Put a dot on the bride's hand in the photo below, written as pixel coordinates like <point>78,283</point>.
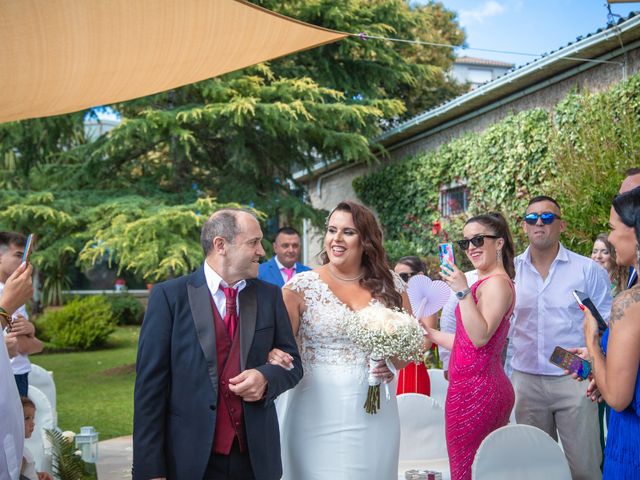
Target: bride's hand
<point>382,372</point>
<point>280,358</point>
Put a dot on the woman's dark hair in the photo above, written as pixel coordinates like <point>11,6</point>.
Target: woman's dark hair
<point>377,276</point>
<point>617,273</point>
<point>498,224</point>
<point>627,206</point>
<point>414,263</point>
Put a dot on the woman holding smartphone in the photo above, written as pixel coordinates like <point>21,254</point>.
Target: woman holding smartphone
<point>480,396</point>
<point>616,357</point>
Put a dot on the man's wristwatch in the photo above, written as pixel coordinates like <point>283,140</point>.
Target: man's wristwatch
<point>463,293</point>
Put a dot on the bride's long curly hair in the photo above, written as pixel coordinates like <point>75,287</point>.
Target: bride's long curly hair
<point>377,277</point>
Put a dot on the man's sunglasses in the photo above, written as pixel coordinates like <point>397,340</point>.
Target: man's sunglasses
<point>546,217</point>
<point>476,241</point>
<point>405,276</point>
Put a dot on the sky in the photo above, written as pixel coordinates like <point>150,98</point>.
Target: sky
<point>530,26</point>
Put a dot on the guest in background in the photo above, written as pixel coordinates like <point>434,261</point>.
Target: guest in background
<point>285,262</point>
<point>604,254</point>
<point>616,370</point>
<point>414,378</point>
<point>545,316</point>
<point>448,321</point>
<point>480,396</point>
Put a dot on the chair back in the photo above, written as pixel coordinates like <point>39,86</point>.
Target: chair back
<point>439,385</point>
<point>38,444</point>
<point>519,451</point>
<point>43,380</point>
<point>422,434</point>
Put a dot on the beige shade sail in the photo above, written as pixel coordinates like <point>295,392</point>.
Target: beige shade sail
<point>61,56</point>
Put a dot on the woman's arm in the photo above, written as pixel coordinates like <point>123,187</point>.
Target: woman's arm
<point>481,320</point>
<point>616,375</point>
<point>443,339</point>
<point>294,302</point>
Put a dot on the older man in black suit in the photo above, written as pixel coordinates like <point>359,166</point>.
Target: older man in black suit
<point>204,393</point>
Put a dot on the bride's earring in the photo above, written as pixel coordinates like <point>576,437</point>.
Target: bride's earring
<point>499,256</point>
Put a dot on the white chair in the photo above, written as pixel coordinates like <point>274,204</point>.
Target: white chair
<point>519,451</point>
<point>43,380</point>
<point>38,444</point>
<point>439,385</point>
<point>422,434</point>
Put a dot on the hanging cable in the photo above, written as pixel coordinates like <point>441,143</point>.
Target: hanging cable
<point>364,36</point>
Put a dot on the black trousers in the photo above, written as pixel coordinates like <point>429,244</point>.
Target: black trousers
<point>235,466</point>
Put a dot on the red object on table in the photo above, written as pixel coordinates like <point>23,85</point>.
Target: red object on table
<point>414,378</point>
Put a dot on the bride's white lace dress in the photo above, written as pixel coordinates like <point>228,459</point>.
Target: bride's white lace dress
<point>325,432</point>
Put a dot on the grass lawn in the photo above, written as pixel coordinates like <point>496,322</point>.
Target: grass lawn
<point>96,387</point>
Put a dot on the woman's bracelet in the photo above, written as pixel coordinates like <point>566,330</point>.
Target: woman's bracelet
<point>5,314</point>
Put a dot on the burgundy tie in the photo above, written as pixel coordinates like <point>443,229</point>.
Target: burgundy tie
<point>289,272</point>
<point>231,314</point>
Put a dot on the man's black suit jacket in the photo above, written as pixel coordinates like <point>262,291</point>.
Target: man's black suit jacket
<point>176,389</point>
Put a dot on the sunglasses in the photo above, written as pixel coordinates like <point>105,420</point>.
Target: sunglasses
<point>405,276</point>
<point>546,217</point>
<point>476,241</point>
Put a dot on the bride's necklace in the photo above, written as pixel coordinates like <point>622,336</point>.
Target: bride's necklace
<point>343,279</point>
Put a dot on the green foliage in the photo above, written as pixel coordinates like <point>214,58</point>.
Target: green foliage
<point>66,464</point>
<point>81,324</point>
<point>126,309</point>
<point>596,142</point>
<point>501,167</point>
<point>578,156</point>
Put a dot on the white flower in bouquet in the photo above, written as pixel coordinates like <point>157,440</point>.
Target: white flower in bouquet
<point>385,333</point>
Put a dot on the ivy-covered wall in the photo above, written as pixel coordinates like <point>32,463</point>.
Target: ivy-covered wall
<point>526,154</point>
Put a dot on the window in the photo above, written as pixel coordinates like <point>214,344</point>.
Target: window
<point>453,199</point>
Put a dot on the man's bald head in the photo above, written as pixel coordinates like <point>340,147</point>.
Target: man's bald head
<point>631,181</point>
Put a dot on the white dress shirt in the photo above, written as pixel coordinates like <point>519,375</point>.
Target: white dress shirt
<point>213,283</point>
<point>448,318</point>
<point>546,313</point>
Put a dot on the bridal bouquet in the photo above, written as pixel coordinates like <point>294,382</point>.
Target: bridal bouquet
<point>386,333</point>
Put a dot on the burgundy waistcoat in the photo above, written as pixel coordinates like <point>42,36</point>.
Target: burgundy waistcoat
<point>229,419</point>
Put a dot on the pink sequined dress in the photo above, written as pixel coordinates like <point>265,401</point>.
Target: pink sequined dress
<point>480,396</point>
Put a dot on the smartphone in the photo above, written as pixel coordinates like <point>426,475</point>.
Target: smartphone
<point>583,299</point>
<point>569,361</point>
<point>445,250</point>
<point>27,248</point>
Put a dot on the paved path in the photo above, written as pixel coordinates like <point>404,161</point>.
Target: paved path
<point>114,458</point>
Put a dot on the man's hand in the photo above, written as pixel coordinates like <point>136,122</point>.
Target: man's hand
<point>22,326</point>
<point>583,353</point>
<point>280,358</point>
<point>17,289</point>
<point>250,385</point>
<point>11,341</point>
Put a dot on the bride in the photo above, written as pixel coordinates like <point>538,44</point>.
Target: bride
<point>326,433</point>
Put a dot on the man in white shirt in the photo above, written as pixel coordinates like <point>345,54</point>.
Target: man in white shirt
<point>18,290</point>
<point>546,315</point>
<point>12,246</point>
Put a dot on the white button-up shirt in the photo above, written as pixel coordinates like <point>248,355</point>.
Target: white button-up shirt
<point>213,283</point>
<point>546,313</point>
<point>281,266</point>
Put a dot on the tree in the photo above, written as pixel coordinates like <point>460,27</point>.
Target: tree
<point>236,138</point>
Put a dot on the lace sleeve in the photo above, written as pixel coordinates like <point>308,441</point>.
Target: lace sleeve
<point>398,283</point>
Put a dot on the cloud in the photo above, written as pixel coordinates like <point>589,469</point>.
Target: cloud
<point>490,8</point>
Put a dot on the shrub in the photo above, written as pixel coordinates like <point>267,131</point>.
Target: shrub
<point>82,323</point>
<point>126,309</point>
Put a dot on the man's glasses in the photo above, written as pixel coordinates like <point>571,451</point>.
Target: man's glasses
<point>476,241</point>
<point>546,217</point>
<point>405,276</point>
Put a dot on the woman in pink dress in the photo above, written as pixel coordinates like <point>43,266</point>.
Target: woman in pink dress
<point>480,396</point>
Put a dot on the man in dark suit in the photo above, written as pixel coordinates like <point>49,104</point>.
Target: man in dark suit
<point>204,392</point>
<point>284,264</point>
